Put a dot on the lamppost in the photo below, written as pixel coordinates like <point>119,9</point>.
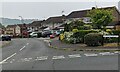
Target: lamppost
<point>22,21</point>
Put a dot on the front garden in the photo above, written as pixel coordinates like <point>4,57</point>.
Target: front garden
<point>91,34</point>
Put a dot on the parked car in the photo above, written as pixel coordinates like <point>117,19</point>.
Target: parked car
<point>52,36</point>
<point>55,32</point>
<point>33,34</point>
<point>5,38</point>
<point>39,34</point>
<point>46,33</point>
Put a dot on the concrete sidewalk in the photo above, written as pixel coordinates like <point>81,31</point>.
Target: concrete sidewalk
<point>55,43</point>
<point>4,43</point>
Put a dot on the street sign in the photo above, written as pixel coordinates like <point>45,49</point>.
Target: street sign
<point>116,36</point>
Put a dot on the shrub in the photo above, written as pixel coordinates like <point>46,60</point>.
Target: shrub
<point>109,31</point>
<point>75,30</point>
<point>68,34</point>
<point>61,37</point>
<point>93,39</point>
<point>116,32</point>
<point>104,33</point>
<point>87,27</point>
<point>81,33</point>
<point>81,28</point>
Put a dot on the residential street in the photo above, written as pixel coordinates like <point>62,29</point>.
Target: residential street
<point>34,54</point>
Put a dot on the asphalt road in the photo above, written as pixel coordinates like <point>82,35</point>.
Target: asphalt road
<point>34,54</point>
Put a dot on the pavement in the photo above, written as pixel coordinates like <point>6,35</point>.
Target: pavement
<point>57,44</point>
<point>35,54</point>
<point>4,43</point>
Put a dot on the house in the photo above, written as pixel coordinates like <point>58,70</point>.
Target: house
<point>10,30</point>
<point>54,21</point>
<point>35,26</point>
<point>82,14</point>
<point>16,30</point>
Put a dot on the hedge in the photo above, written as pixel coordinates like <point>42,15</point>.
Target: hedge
<point>82,33</point>
<point>93,39</point>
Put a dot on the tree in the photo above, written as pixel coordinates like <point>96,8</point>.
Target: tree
<point>74,25</point>
<point>100,17</point>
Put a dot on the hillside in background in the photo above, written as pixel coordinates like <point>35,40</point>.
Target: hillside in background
<point>8,21</point>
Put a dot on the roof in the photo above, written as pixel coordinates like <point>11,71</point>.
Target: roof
<point>77,14</point>
<point>35,23</point>
<point>83,13</point>
<point>43,27</point>
<point>11,26</point>
<point>21,25</point>
<point>57,19</point>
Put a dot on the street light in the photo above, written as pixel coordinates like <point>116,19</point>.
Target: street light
<point>21,19</point>
<point>22,24</point>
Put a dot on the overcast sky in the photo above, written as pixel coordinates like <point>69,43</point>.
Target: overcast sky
<point>43,10</point>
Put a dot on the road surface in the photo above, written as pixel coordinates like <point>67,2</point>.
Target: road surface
<point>34,54</point>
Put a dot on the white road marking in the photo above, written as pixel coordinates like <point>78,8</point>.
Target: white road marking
<point>22,48</point>
<point>58,57</point>
<point>27,44</point>
<point>26,59</point>
<point>7,58</point>
<point>4,62</point>
<point>91,55</point>
<point>106,53</point>
<point>42,58</point>
<point>74,55</point>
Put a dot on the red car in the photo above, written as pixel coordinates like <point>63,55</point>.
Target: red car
<point>52,36</point>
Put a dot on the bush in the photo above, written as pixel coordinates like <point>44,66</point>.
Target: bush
<point>116,32</point>
<point>109,31</point>
<point>61,37</point>
<point>75,30</point>
<point>81,33</point>
<point>93,39</point>
<point>87,27</point>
